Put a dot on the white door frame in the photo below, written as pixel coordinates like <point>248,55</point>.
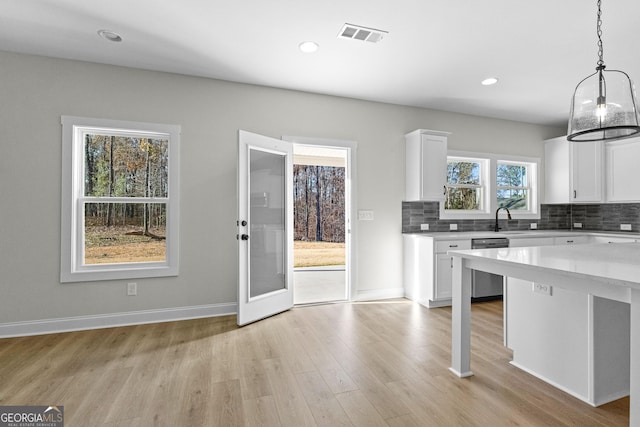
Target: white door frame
<point>350,200</point>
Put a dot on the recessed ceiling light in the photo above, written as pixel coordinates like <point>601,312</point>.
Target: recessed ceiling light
<point>308,47</point>
<point>489,81</point>
<point>110,35</point>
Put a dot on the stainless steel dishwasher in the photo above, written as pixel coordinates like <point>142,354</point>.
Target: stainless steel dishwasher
<point>487,285</point>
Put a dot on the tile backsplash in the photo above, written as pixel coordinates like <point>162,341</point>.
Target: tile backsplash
<point>594,217</point>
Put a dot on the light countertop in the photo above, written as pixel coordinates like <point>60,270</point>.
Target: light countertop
<point>463,235</point>
<point>619,262</point>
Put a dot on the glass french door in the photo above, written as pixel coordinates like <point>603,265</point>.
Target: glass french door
<point>265,226</point>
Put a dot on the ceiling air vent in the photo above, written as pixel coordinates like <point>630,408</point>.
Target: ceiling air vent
<point>356,32</point>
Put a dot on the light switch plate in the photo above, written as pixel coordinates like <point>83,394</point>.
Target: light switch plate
<point>453,227</point>
<point>424,227</point>
<point>533,226</point>
<point>625,227</point>
<point>577,225</point>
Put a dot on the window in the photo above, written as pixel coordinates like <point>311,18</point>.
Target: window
<point>512,186</point>
<point>465,184</point>
<point>478,184</point>
<point>120,199</point>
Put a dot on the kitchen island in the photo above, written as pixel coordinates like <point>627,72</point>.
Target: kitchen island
<point>610,271</point>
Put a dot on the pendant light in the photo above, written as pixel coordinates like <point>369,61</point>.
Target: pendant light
<point>604,104</point>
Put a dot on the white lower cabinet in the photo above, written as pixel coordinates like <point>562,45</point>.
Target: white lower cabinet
<point>574,341</point>
<point>427,269</point>
<point>427,266</point>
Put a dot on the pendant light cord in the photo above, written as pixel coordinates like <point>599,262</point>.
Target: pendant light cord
<point>599,26</point>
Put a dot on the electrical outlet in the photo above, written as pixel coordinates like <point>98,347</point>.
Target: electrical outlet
<point>453,227</point>
<point>365,215</point>
<point>577,225</point>
<point>424,227</point>
<point>539,288</point>
<point>533,226</point>
<point>132,289</point>
<point>625,227</point>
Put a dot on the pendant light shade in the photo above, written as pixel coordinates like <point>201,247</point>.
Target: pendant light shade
<point>604,107</point>
<point>604,104</point>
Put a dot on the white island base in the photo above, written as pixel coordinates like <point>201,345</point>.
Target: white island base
<point>607,271</point>
<point>577,342</point>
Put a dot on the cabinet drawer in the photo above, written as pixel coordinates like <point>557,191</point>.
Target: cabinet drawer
<point>449,245</point>
<point>572,240</point>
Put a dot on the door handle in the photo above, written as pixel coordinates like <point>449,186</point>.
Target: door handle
<point>244,237</point>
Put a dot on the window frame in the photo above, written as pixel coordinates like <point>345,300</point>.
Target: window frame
<point>73,200</point>
<point>490,196</point>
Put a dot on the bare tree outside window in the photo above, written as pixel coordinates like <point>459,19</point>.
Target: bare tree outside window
<point>125,167</point>
<point>319,213</point>
<point>463,189</point>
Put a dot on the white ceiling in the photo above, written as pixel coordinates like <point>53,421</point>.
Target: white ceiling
<point>435,55</point>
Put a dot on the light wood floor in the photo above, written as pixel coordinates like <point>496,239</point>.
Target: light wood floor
<point>364,364</point>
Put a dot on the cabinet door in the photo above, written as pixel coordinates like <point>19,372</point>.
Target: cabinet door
<point>426,165</point>
<point>434,166</point>
<point>622,161</point>
<point>530,241</point>
<point>557,176</point>
<point>443,276</point>
<point>586,165</point>
<point>606,239</point>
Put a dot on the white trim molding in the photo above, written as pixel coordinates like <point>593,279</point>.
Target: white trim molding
<point>378,294</point>
<point>100,321</point>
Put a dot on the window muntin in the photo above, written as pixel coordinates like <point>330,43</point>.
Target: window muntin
<point>121,197</point>
<point>465,185</point>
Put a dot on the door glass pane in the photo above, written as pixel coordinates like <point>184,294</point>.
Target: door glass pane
<point>267,184</point>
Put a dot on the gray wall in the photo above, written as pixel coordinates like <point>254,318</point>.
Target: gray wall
<point>36,91</point>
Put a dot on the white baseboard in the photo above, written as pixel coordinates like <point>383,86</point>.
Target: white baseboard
<point>79,323</point>
<point>376,294</point>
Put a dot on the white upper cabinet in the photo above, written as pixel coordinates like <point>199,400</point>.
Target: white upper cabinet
<point>557,174</point>
<point>426,165</point>
<point>587,163</point>
<point>573,171</point>
<point>622,159</point>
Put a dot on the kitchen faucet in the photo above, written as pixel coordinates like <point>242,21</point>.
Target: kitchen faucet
<point>496,229</point>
